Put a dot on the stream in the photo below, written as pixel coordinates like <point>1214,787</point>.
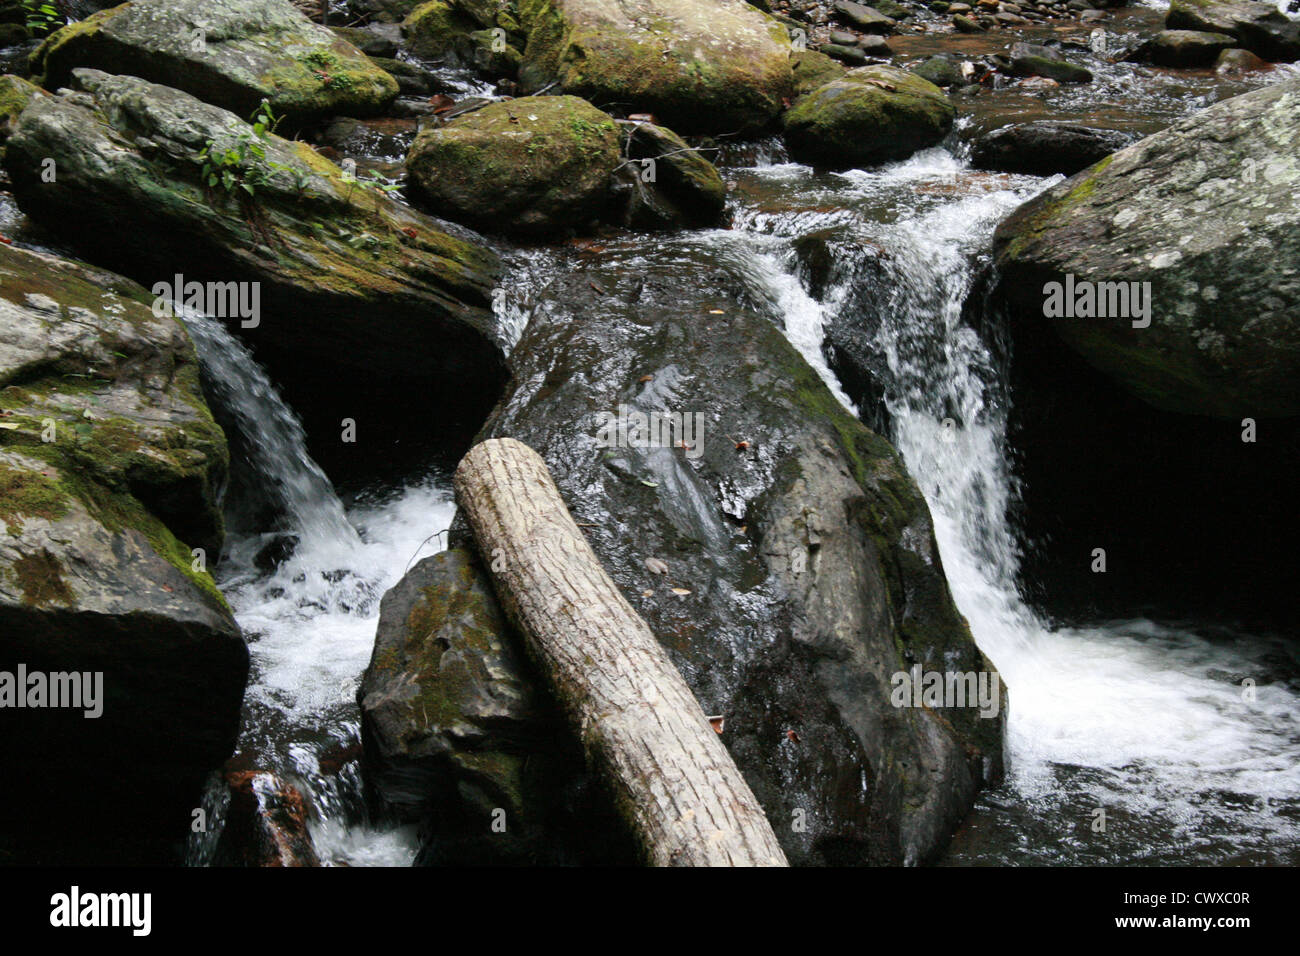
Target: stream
<point>1138,726</point>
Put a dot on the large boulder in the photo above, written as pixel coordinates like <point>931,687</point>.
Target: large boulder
<point>476,33</point>
<point>110,470</point>
<point>232,53</point>
<point>1259,27</point>
<point>456,725</point>
<point>535,165</point>
<point>777,548</point>
<point>665,183</point>
<point>870,115</point>
<point>1198,222</point>
<point>351,282</point>
<point>698,65</point>
<point>1183,48</point>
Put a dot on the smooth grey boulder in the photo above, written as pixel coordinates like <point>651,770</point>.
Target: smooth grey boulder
<point>1206,213</point>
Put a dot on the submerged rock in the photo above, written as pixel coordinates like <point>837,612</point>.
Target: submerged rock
<point>455,728</point>
<point>1046,147</point>
<point>349,281</point>
<point>110,471</point>
<point>266,823</point>
<point>776,547</point>
<point>231,53</point>
<point>871,115</point>
<point>1201,222</point>
<point>718,66</point>
<point>536,165</point>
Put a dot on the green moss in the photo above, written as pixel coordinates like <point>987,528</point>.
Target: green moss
<point>40,576</point>
<point>30,494</point>
<point>46,63</point>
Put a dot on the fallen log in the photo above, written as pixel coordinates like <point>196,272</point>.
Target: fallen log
<point>674,783</point>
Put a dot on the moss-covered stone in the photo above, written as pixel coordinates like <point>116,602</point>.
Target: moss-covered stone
<point>534,165</point>
<point>232,53</point>
<point>699,65</point>
<point>812,69</point>
<point>871,115</point>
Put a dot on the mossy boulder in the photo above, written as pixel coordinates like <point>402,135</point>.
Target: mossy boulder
<point>870,115</point>
<point>530,166</point>
<point>785,559</point>
<point>698,65</point>
<point>15,94</point>
<point>812,69</point>
<point>110,470</point>
<point>352,283</point>
<point>1183,48</point>
<point>1201,221</point>
<point>231,53</point>
<point>666,183</point>
<point>455,726</point>
<point>483,35</point>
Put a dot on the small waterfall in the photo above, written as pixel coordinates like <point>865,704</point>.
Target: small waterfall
<point>1141,720</point>
<point>306,593</point>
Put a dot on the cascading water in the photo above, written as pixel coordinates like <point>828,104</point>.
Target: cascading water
<point>1146,722</point>
<point>306,593</point>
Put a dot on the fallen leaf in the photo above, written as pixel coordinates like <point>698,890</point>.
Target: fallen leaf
<point>655,566</point>
<point>649,484</point>
<point>646,378</point>
<point>681,592</point>
<point>719,722</point>
<point>410,232</point>
<point>716,312</point>
<point>598,289</point>
<point>647,594</point>
<point>792,736</point>
<point>9,425</point>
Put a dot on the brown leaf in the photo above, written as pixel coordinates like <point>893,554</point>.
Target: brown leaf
<point>719,722</point>
<point>792,736</point>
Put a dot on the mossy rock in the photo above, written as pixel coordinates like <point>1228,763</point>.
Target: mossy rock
<point>666,183</point>
<point>871,115</point>
<point>698,65</point>
<point>231,53</point>
<point>532,166</point>
<point>812,69</point>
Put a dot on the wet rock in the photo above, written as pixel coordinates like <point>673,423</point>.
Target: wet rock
<point>866,19</point>
<point>110,471</point>
<point>700,66</point>
<point>851,55</point>
<point>475,35</point>
<point>1239,61</point>
<point>530,166</point>
<point>1046,147</point>
<point>812,70</point>
<point>351,282</point>
<point>1259,27</point>
<point>377,40</point>
<point>231,53</point>
<point>266,823</point>
<point>964,24</point>
<point>871,115</point>
<point>939,70</point>
<point>1183,48</point>
<point>455,727</point>
<point>1206,214</point>
<point>1028,59</point>
<point>801,569</point>
<point>666,183</point>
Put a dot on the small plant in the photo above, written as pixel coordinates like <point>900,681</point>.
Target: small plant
<point>42,17</point>
<point>243,165</point>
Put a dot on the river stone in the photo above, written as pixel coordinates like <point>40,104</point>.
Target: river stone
<point>477,35</point>
<point>1259,27</point>
<point>1183,48</point>
<point>251,50</point>
<point>1206,211</point>
<point>265,824</point>
<point>352,283</point>
<point>801,567</point>
<point>1028,59</point>
<point>700,66</point>
<point>866,19</point>
<point>812,69</point>
<point>665,183</point>
<point>851,55</point>
<point>871,115</point>
<point>110,470</point>
<point>1046,147</point>
<point>939,70</point>
<point>454,727</point>
<point>530,166</point>
<point>1239,61</point>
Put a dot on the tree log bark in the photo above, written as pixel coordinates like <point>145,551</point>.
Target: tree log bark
<point>641,727</point>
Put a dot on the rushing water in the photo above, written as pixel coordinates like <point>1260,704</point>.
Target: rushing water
<point>1142,720</point>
